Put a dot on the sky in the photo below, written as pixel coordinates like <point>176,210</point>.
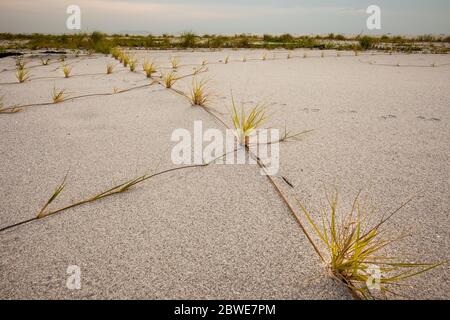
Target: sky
<point>406,17</point>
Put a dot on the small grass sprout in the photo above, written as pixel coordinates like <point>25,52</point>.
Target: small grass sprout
<point>109,68</point>
<point>174,62</point>
<point>22,75</point>
<point>58,95</point>
<point>354,250</point>
<point>67,70</point>
<point>245,123</point>
<point>199,95</point>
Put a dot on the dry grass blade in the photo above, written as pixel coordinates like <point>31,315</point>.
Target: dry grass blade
<point>59,95</point>
<point>67,70</point>
<point>55,195</point>
<point>355,251</point>
<point>244,124</point>
<point>22,75</point>
<point>227,60</point>
<point>199,95</point>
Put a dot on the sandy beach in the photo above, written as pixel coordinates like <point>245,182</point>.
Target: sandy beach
<point>381,124</point>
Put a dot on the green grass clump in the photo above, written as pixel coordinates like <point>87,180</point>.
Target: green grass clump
<point>59,95</point>
<point>22,75</point>
<point>133,63</point>
<point>244,124</point>
<point>115,53</point>
<point>149,68</point>
<point>169,79</point>
<point>125,59</point>
<point>353,250</point>
<point>199,95</point>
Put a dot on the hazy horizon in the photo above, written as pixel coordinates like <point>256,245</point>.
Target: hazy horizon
<point>227,17</point>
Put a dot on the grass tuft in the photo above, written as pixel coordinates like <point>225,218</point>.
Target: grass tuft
<point>109,68</point>
<point>125,59</point>
<point>354,251</point>
<point>169,79</point>
<point>244,124</point>
<point>67,70</point>
<point>133,63</point>
<point>22,75</point>
<point>149,68</point>
<point>174,62</point>
<point>59,95</point>
<point>199,95</point>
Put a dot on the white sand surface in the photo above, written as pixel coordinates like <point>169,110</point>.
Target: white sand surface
<point>220,232</point>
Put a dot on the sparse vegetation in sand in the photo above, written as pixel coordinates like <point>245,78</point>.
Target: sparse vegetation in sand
<point>199,95</point>
<point>246,123</point>
<point>109,68</point>
<point>133,63</point>
<point>149,68</point>
<point>175,62</point>
<point>169,79</point>
<point>22,75</point>
<point>67,70</point>
<point>353,249</point>
<point>59,95</point>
